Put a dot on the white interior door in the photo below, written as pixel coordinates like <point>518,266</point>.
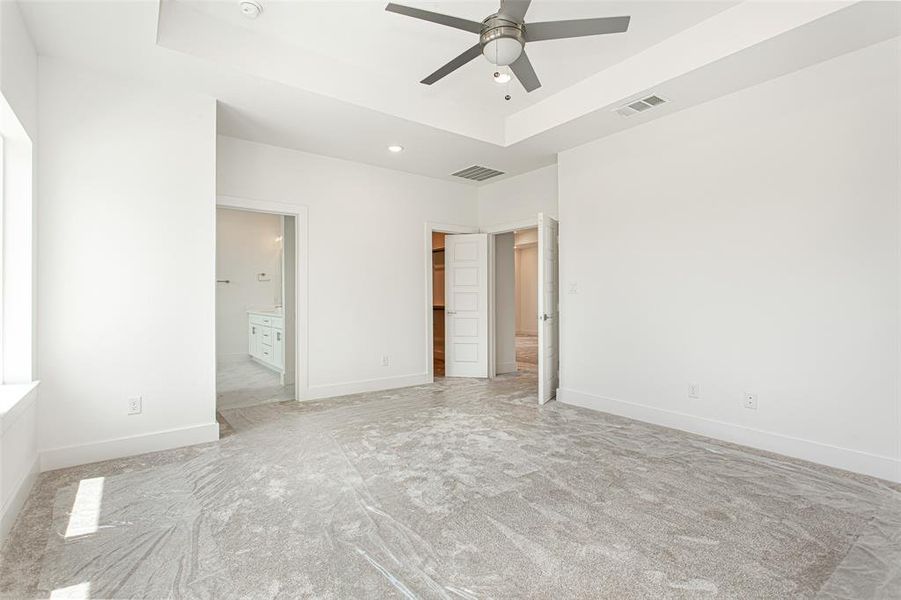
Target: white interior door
<point>548,309</point>
<point>466,305</point>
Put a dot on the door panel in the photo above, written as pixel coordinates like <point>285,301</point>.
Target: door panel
<point>278,348</point>
<point>466,314</point>
<point>253,340</point>
<point>548,309</point>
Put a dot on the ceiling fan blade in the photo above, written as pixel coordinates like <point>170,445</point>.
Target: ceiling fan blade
<point>427,15</point>
<point>523,70</point>
<point>514,9</point>
<point>558,30</point>
<point>453,65</point>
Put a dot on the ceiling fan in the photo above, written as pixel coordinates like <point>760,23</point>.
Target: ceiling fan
<point>503,36</point>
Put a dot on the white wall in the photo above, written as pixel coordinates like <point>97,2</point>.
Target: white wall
<point>750,244</point>
<point>18,67</point>
<point>527,290</point>
<point>125,264</point>
<point>504,304</point>
<point>18,450</point>
<point>246,244</point>
<point>367,271</point>
<point>518,199</point>
<point>18,403</point>
<point>526,262</point>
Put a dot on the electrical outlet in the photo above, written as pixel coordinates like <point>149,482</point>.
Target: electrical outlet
<point>694,390</point>
<point>385,360</point>
<point>574,288</point>
<point>134,406</point>
<point>751,401</point>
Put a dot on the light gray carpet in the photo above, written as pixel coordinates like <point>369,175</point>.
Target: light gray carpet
<point>242,382</point>
<point>461,489</point>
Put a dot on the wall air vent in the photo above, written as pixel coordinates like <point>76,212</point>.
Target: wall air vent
<point>477,173</point>
<point>640,106</point>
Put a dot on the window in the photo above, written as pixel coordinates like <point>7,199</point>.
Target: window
<point>16,250</point>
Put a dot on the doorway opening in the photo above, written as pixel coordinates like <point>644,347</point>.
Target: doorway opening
<point>256,301</point>
<point>441,315</point>
<point>438,303</point>
<point>525,316</point>
<point>516,302</point>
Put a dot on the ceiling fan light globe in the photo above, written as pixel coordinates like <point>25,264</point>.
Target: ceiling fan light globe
<point>502,51</point>
<point>251,8</point>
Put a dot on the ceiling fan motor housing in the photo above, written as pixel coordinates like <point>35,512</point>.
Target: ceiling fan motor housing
<point>502,40</point>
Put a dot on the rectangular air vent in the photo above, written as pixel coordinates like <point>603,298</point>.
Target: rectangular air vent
<point>477,173</point>
<point>640,105</point>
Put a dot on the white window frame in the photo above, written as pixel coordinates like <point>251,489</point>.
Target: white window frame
<point>17,323</point>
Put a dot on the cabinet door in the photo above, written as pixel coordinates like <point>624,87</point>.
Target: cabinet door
<point>253,340</point>
<point>278,348</point>
<point>266,354</point>
<point>266,335</point>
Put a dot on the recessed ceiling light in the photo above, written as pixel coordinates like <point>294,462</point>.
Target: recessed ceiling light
<point>251,9</point>
<point>395,148</point>
<point>501,77</point>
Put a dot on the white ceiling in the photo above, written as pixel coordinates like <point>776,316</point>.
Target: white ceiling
<point>341,78</point>
<point>378,58</point>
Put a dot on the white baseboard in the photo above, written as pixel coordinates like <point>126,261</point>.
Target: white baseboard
<point>508,367</point>
<point>10,510</point>
<point>331,390</point>
<point>883,467</point>
<point>70,456</point>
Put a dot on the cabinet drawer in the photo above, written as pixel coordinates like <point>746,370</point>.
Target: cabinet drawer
<point>266,353</point>
<point>266,335</point>
<point>267,320</point>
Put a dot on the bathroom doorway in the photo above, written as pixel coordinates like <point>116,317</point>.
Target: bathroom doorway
<point>255,307</point>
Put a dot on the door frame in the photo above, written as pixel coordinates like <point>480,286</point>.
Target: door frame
<point>301,280</point>
<point>493,231</point>
<point>447,228</point>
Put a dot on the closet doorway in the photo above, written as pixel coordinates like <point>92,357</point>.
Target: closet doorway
<point>440,306</point>
<point>438,303</point>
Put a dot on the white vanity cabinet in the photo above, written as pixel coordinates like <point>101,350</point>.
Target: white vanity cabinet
<point>266,339</point>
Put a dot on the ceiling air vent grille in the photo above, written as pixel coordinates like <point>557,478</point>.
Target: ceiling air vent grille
<point>477,173</point>
<point>640,105</point>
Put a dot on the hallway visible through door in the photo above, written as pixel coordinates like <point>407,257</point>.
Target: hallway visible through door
<point>525,260</point>
<point>516,302</point>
